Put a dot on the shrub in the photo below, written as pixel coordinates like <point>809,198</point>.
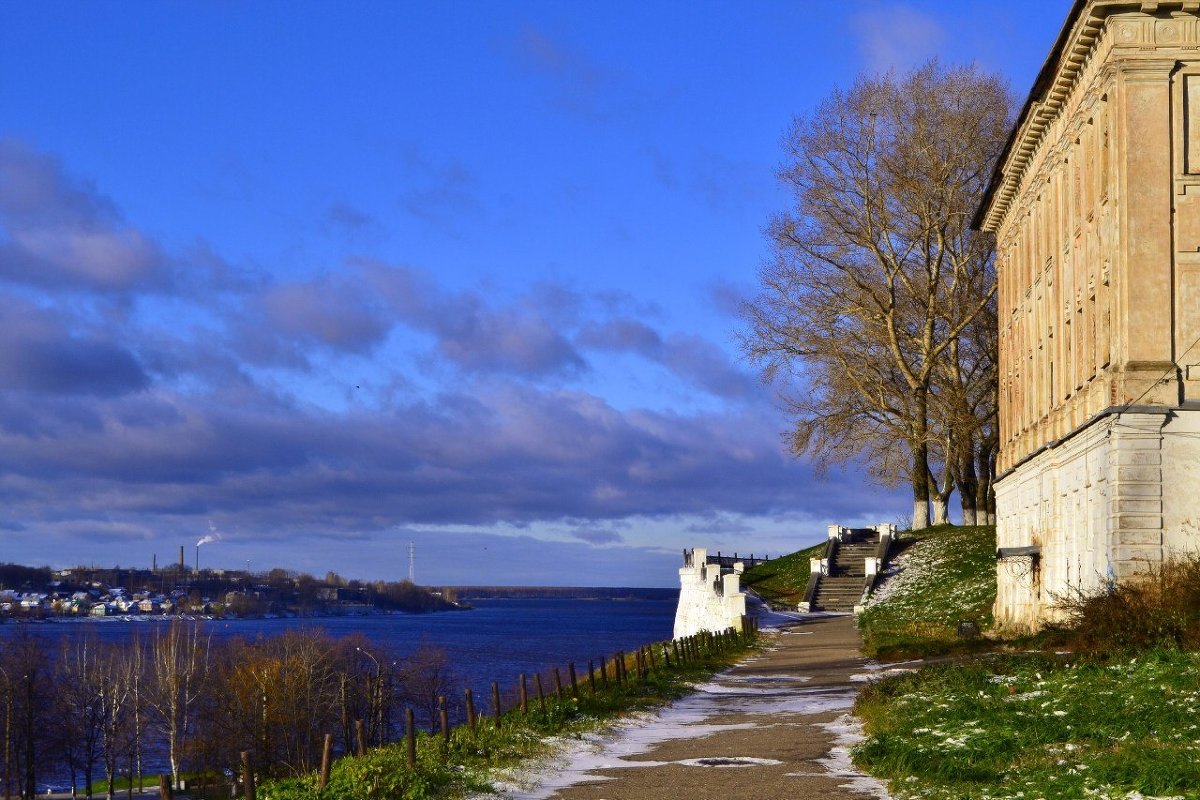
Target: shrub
<point>1160,607</point>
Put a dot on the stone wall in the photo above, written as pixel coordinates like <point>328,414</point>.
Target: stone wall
<point>1116,498</point>
<point>710,599</point>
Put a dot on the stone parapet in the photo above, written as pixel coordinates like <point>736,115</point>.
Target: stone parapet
<point>710,596</point>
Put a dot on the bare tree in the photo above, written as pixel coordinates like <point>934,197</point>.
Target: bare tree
<point>79,709</point>
<point>29,719</point>
<point>876,273</point>
<point>116,678</point>
<point>178,661</point>
<point>277,696</point>
<point>425,676</point>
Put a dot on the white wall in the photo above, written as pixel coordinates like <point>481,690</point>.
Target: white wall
<point>708,600</point>
<point>1113,499</point>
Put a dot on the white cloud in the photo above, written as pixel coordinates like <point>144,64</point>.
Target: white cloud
<point>895,36</point>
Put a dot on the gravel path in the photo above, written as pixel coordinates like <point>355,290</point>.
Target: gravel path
<point>777,725</point>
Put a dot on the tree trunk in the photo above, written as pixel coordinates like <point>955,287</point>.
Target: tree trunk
<point>920,466</point>
<point>985,497</point>
<point>941,492</point>
<point>968,487</point>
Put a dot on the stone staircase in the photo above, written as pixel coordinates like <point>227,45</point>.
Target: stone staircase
<point>841,587</point>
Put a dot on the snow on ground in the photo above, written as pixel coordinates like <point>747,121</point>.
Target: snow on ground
<point>692,717</point>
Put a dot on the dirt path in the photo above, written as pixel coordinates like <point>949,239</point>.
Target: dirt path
<point>774,726</point>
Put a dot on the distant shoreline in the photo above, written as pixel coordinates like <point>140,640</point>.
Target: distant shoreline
<point>465,593</point>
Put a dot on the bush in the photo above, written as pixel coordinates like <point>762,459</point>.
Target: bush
<point>1158,608</point>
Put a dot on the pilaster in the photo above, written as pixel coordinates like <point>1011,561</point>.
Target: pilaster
<point>1144,351</point>
<point>1135,512</point>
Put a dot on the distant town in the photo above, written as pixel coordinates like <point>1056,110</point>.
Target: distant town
<point>33,593</point>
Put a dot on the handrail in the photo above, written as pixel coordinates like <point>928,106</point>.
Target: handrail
<point>881,555</point>
<point>814,579</point>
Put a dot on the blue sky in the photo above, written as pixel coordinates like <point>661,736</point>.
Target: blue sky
<point>329,278</point>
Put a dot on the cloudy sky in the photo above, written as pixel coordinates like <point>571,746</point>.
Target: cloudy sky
<point>326,279</point>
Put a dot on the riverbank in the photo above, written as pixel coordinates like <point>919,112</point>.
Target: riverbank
<point>515,728</point>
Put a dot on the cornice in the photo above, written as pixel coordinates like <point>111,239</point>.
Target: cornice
<point>1055,82</point>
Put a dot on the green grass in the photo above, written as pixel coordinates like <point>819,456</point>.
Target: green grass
<point>781,581</point>
<point>474,758</point>
<point>1117,718</point>
<point>946,575</point>
<point>1038,726</point>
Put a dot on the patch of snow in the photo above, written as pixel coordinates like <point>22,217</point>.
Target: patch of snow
<point>847,731</point>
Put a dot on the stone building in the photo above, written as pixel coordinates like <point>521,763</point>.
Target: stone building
<point>1096,208</point>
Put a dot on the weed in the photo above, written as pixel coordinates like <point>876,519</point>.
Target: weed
<point>1158,608</point>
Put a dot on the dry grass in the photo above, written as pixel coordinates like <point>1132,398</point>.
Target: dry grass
<point>1158,608</point>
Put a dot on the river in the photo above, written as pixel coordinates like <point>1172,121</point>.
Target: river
<point>495,641</point>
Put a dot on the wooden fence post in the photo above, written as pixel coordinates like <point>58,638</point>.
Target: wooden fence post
<point>326,762</point>
<point>574,680</point>
<point>604,671</point>
<point>558,689</point>
<point>410,734</point>
<point>470,710</point>
<point>524,696</point>
<point>496,710</point>
<point>541,693</point>
<point>248,774</point>
<point>444,715</point>
<point>592,676</point>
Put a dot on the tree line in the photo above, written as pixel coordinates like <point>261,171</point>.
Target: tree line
<point>877,309</point>
<point>91,711</point>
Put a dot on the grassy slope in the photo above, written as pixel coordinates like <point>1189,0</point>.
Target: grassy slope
<point>1033,725</point>
<point>1027,725</point>
<point>943,576</point>
<point>781,581</point>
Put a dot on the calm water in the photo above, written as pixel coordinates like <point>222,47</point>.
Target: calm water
<point>496,641</point>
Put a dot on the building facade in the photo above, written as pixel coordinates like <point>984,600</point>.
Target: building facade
<point>1095,205</point>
